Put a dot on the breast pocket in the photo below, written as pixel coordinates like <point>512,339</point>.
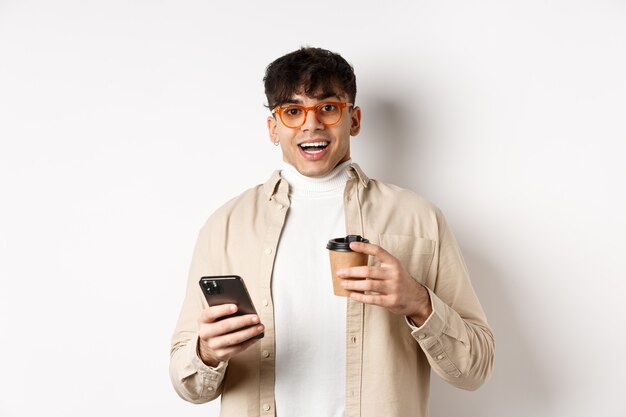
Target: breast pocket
<point>414,253</point>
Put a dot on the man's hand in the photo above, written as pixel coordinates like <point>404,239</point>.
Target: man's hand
<point>387,285</point>
<point>222,339</point>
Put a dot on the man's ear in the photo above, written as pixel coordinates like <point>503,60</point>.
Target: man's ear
<point>271,128</point>
<point>355,120</point>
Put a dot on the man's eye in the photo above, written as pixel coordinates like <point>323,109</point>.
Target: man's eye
<point>292,111</point>
<point>328,108</point>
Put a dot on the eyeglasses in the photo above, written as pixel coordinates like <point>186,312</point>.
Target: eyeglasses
<point>327,113</point>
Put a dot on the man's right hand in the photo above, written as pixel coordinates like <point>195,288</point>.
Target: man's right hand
<point>222,339</point>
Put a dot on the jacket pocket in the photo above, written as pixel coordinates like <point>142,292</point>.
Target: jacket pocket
<point>414,253</point>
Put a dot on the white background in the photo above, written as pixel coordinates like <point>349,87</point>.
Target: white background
<point>124,124</point>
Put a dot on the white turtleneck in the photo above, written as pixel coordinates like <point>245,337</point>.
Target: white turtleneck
<point>310,321</point>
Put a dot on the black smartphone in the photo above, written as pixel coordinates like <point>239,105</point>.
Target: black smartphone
<point>228,289</point>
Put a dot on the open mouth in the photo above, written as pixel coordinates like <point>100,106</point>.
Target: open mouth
<point>313,148</point>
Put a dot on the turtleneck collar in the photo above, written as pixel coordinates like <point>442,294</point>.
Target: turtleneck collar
<point>302,186</point>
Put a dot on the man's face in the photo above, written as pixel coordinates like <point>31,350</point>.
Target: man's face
<point>332,142</point>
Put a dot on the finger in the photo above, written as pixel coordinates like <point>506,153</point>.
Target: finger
<point>366,271</point>
<point>235,339</point>
<point>364,285</point>
<point>373,299</point>
<point>373,250</point>
<point>214,313</point>
<point>225,326</point>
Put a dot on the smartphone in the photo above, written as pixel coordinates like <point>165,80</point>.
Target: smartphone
<point>228,289</point>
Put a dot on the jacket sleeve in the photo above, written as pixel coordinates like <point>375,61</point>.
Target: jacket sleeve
<point>456,338</point>
<point>192,379</point>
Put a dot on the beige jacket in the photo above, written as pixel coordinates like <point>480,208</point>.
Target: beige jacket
<point>388,361</point>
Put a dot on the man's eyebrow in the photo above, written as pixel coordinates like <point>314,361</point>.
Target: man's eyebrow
<point>321,96</point>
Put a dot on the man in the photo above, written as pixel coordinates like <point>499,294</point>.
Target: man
<point>366,355</point>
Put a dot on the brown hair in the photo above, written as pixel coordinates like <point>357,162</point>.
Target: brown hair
<point>314,72</point>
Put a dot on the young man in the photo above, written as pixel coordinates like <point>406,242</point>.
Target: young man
<point>366,355</point>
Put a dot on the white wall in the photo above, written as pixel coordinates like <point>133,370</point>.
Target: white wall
<point>124,124</point>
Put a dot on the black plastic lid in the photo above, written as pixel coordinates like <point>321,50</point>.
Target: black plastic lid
<point>342,244</point>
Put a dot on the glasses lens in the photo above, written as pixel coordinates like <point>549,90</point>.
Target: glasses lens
<point>328,113</point>
<point>292,116</point>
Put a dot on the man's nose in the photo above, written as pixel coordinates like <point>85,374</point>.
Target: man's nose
<point>311,122</point>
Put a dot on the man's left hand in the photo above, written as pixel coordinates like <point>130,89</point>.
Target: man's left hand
<point>386,284</point>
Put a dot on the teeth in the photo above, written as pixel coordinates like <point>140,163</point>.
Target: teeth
<point>313,144</point>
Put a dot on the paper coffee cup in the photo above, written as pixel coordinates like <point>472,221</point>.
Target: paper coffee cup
<point>341,256</point>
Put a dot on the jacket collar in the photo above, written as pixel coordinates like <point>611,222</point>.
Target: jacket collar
<point>355,171</point>
<point>276,184</point>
